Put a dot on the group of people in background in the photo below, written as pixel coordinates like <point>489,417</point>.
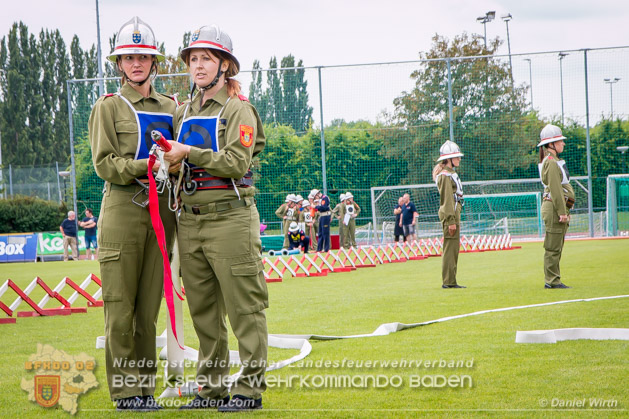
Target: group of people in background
<point>70,238</point>
<point>306,222</point>
<point>405,219</point>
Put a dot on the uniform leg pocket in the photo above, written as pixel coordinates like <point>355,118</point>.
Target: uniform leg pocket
<point>249,292</point>
<point>111,273</point>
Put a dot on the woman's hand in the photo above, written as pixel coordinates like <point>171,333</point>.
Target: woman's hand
<point>452,229</point>
<point>564,218</point>
<point>178,152</point>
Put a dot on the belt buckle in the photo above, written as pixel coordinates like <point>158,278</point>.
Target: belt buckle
<point>196,210</point>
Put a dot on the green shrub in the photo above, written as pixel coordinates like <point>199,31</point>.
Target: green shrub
<point>25,214</point>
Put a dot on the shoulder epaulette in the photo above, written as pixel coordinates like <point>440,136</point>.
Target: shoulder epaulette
<point>243,98</point>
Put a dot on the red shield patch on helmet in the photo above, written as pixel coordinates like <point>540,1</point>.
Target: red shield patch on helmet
<point>246,135</point>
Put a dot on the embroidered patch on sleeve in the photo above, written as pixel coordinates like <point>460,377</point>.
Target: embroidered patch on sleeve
<point>246,135</point>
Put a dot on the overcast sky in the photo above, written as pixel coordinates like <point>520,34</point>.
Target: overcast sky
<point>328,32</point>
<point>332,32</point>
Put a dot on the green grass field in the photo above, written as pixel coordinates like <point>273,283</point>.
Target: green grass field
<point>507,379</point>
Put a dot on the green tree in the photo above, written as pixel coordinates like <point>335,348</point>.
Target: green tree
<point>284,101</point>
<point>490,117</point>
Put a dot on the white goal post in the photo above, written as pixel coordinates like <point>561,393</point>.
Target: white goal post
<point>503,200</point>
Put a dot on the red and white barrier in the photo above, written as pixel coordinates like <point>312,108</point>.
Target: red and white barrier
<point>39,309</point>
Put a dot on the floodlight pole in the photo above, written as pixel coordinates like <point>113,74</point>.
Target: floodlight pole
<point>588,145</point>
<point>101,84</point>
<point>489,16</point>
<point>530,80</point>
<point>506,19</point>
<point>561,57</point>
<point>611,82</point>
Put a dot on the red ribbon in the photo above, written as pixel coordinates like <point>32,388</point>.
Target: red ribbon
<point>156,220</point>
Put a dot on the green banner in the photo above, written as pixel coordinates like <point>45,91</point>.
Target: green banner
<point>52,243</point>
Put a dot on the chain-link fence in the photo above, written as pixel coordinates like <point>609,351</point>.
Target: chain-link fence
<point>350,128</point>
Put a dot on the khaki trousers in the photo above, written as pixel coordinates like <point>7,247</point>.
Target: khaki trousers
<point>131,267</point>
<point>223,276</point>
<point>553,243</point>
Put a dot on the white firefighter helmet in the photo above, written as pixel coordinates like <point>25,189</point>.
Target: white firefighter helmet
<point>449,150</point>
<point>293,227</point>
<point>348,195</point>
<point>550,134</point>
<point>296,199</point>
<point>135,37</point>
<point>290,197</point>
<point>305,203</point>
<point>287,198</point>
<point>342,197</point>
<point>300,198</point>
<point>212,37</point>
<point>314,193</point>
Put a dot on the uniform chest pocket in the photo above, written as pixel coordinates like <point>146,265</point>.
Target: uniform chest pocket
<point>126,127</point>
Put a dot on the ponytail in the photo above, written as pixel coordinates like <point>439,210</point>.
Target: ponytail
<point>233,87</point>
<point>542,153</point>
<point>437,169</point>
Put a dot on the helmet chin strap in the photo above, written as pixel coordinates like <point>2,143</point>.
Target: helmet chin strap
<point>213,83</point>
<point>140,83</point>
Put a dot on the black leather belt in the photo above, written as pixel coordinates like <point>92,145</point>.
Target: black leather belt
<point>205,180</point>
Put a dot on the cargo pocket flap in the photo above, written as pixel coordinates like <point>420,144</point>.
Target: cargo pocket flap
<point>252,268</point>
<point>107,255</point>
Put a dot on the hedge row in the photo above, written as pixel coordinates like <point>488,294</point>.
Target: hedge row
<point>23,214</point>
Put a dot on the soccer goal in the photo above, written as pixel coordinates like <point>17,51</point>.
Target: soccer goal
<point>618,205</point>
<point>491,207</point>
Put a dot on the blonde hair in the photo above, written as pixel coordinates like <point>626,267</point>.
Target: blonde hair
<point>437,169</point>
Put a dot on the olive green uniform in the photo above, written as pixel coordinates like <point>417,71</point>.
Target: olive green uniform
<point>350,228</point>
<point>310,227</point>
<point>220,252</point>
<point>335,213</point>
<point>556,190</point>
<point>291,214</point>
<point>130,260</point>
<point>449,214</point>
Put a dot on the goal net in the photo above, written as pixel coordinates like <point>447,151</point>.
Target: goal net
<point>618,205</point>
<point>491,207</point>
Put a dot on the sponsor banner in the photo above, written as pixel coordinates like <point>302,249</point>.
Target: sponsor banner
<point>18,247</point>
<point>52,243</point>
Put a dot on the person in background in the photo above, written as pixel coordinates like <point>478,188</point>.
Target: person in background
<point>558,199</point>
<point>89,224</point>
<point>323,207</point>
<point>349,212</point>
<point>68,231</point>
<point>336,214</point>
<point>297,238</point>
<point>409,219</point>
<point>398,231</point>
<point>450,203</point>
<point>286,213</point>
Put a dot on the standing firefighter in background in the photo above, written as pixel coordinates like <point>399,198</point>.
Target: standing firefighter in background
<point>313,230</point>
<point>349,212</point>
<point>286,213</point>
<point>129,255</point>
<point>336,214</point>
<point>218,134</point>
<point>558,200</point>
<point>450,202</point>
<point>323,207</point>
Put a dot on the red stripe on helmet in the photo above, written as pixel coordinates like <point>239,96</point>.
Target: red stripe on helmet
<point>211,43</point>
<point>550,138</point>
<point>135,46</point>
<point>449,154</point>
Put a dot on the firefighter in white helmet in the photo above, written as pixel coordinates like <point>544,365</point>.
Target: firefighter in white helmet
<point>219,133</point>
<point>450,203</point>
<point>119,131</point>
<point>336,215</point>
<point>558,199</point>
